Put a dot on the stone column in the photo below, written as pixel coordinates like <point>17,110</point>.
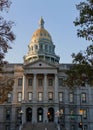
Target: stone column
<point>24,89</point>
<point>56,89</point>
<point>34,114</point>
<point>34,88</point>
<point>45,114</point>
<point>23,114</point>
<point>13,113</point>
<point>45,88</point>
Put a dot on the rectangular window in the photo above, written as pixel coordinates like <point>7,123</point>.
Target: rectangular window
<point>40,82</point>
<point>8,114</point>
<point>40,96</point>
<point>85,114</point>
<point>19,81</point>
<point>46,47</point>
<point>50,82</point>
<point>72,117</point>
<point>83,97</point>
<point>71,97</point>
<point>50,96</point>
<point>9,97</point>
<point>30,96</point>
<point>60,81</point>
<point>61,111</point>
<point>30,82</point>
<point>85,127</point>
<point>60,95</point>
<point>19,97</point>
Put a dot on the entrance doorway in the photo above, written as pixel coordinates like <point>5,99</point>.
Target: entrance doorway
<point>39,115</point>
<point>29,114</point>
<point>50,114</point>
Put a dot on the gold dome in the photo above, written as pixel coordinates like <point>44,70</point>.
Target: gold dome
<point>41,34</point>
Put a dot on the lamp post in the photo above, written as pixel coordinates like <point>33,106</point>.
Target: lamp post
<point>20,113</point>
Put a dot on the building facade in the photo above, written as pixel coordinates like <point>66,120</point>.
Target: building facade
<point>39,90</point>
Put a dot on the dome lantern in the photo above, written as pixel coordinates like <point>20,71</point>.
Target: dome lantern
<point>41,23</point>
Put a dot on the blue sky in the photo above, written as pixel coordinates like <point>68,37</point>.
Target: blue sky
<point>58,16</point>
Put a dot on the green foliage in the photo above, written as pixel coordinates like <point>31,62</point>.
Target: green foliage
<point>82,69</point>
<point>85,20</point>
<point>6,33</point>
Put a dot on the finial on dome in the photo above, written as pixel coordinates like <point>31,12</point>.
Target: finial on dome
<point>41,22</point>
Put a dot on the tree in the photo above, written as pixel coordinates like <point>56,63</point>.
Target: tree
<point>82,69</point>
<point>6,34</point>
<point>6,37</point>
<point>85,20</point>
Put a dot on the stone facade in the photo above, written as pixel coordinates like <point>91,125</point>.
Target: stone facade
<point>39,90</point>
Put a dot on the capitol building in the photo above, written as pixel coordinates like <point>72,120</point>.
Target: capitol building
<point>40,93</point>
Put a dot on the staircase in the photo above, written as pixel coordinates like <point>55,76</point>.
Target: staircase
<point>40,126</point>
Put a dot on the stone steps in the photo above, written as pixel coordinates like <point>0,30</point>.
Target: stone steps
<point>40,126</point>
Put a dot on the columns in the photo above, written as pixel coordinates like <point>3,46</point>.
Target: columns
<point>45,88</point>
<point>45,114</point>
<point>34,114</point>
<point>34,88</point>
<point>24,89</point>
<point>23,114</point>
<point>56,88</point>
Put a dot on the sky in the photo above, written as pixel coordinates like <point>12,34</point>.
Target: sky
<point>58,16</point>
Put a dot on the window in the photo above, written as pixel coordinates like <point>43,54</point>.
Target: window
<point>60,95</point>
<point>32,47</point>
<point>20,82</point>
<point>61,110</point>
<point>19,97</point>
<point>30,96</point>
<point>40,82</point>
<point>8,114</point>
<point>71,97</point>
<point>46,47</point>
<point>9,96</point>
<point>40,96</point>
<point>60,81</point>
<point>50,49</point>
<point>50,96</point>
<point>50,82</point>
<point>83,97</point>
<point>72,117</point>
<point>41,47</point>
<point>84,114</point>
<point>30,82</point>
<point>85,127</point>
<point>36,47</point>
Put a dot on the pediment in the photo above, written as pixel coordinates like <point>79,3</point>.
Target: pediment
<point>40,64</point>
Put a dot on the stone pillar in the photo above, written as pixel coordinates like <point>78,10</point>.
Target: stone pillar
<point>34,88</point>
<point>45,114</point>
<point>23,114</point>
<point>56,89</point>
<point>24,89</point>
<point>34,114</point>
<point>56,116</point>
<point>45,88</point>
<point>13,112</point>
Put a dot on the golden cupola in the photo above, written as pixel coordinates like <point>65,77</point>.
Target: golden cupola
<point>41,46</point>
